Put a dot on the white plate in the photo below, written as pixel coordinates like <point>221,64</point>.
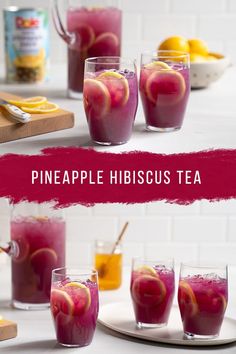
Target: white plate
<point>120,318</point>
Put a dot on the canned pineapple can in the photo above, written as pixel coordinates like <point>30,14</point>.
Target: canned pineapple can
<point>26,44</point>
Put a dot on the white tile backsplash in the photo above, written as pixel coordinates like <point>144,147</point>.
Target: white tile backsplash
<point>155,229</point>
<point>198,7</point>
<point>146,23</point>
<point>202,230</point>
<point>199,229</point>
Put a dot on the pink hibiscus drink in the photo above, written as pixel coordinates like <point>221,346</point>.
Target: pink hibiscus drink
<point>152,290</point>
<point>164,89</point>
<point>41,244</point>
<point>110,99</point>
<point>97,32</point>
<point>203,298</point>
<point>74,306</point>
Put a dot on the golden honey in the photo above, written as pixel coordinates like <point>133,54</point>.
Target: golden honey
<point>108,266</point>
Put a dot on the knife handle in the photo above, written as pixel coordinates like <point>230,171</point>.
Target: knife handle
<point>17,113</point>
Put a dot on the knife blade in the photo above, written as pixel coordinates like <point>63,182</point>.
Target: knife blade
<point>16,112</point>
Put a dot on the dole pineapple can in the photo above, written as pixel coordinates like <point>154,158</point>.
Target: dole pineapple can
<point>26,44</point>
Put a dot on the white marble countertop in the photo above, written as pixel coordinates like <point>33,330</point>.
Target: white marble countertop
<point>210,120</point>
<point>36,333</point>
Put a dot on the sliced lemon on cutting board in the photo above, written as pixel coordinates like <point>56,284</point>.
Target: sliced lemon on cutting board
<point>30,102</point>
<point>47,107</point>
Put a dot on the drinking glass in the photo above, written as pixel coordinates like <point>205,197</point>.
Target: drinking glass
<point>203,298</point>
<point>110,98</point>
<point>164,88</point>
<point>37,246</point>
<point>74,305</point>
<point>152,290</point>
<point>108,263</point>
<point>93,29</point>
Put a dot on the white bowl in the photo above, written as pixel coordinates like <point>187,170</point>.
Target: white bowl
<point>204,73</point>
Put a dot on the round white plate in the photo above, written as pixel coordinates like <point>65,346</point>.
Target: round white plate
<point>120,318</point>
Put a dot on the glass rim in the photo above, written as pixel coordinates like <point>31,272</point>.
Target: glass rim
<point>167,260</point>
<point>87,271</point>
<point>220,265</point>
<point>123,60</point>
<point>179,54</point>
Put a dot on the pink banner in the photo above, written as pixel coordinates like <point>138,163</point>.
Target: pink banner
<point>71,176</point>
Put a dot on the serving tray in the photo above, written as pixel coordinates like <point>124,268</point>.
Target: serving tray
<point>120,318</point>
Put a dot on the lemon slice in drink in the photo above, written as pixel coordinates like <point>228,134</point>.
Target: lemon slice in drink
<point>47,107</point>
<point>117,85</point>
<point>97,100</point>
<point>30,102</point>
<point>147,270</point>
<point>187,299</point>
<point>148,290</point>
<point>157,65</point>
<point>61,302</point>
<point>80,293</point>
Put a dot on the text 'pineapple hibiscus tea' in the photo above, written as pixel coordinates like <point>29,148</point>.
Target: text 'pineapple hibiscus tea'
<point>38,234</point>
<point>203,298</point>
<point>93,29</point>
<point>164,88</point>
<point>152,290</point>
<point>110,99</point>
<point>74,305</point>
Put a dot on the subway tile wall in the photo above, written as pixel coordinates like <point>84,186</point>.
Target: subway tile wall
<point>202,231</point>
<point>147,22</point>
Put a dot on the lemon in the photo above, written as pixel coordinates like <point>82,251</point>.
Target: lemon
<point>187,298</point>
<point>198,46</point>
<point>197,58</point>
<point>76,285</point>
<point>117,86</point>
<point>211,58</point>
<point>145,269</point>
<point>177,43</point>
<point>47,107</point>
<point>82,293</point>
<point>30,102</point>
<point>157,65</point>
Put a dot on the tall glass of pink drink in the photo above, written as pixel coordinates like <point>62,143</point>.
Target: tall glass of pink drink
<point>152,290</point>
<point>40,240</point>
<point>97,32</point>
<point>74,305</point>
<point>203,298</point>
<point>110,98</point>
<point>164,88</point>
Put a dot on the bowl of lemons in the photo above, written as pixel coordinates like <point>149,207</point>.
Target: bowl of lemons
<point>205,66</point>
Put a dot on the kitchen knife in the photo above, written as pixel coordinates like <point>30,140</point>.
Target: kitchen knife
<point>16,112</point>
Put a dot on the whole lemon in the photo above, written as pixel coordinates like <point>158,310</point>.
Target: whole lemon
<point>178,43</point>
<point>197,58</point>
<point>198,46</point>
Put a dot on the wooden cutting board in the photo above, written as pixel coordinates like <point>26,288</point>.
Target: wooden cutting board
<point>39,124</point>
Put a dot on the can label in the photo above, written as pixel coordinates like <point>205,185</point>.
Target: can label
<point>26,44</point>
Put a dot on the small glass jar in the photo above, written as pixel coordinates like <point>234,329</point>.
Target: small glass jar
<point>108,263</point>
